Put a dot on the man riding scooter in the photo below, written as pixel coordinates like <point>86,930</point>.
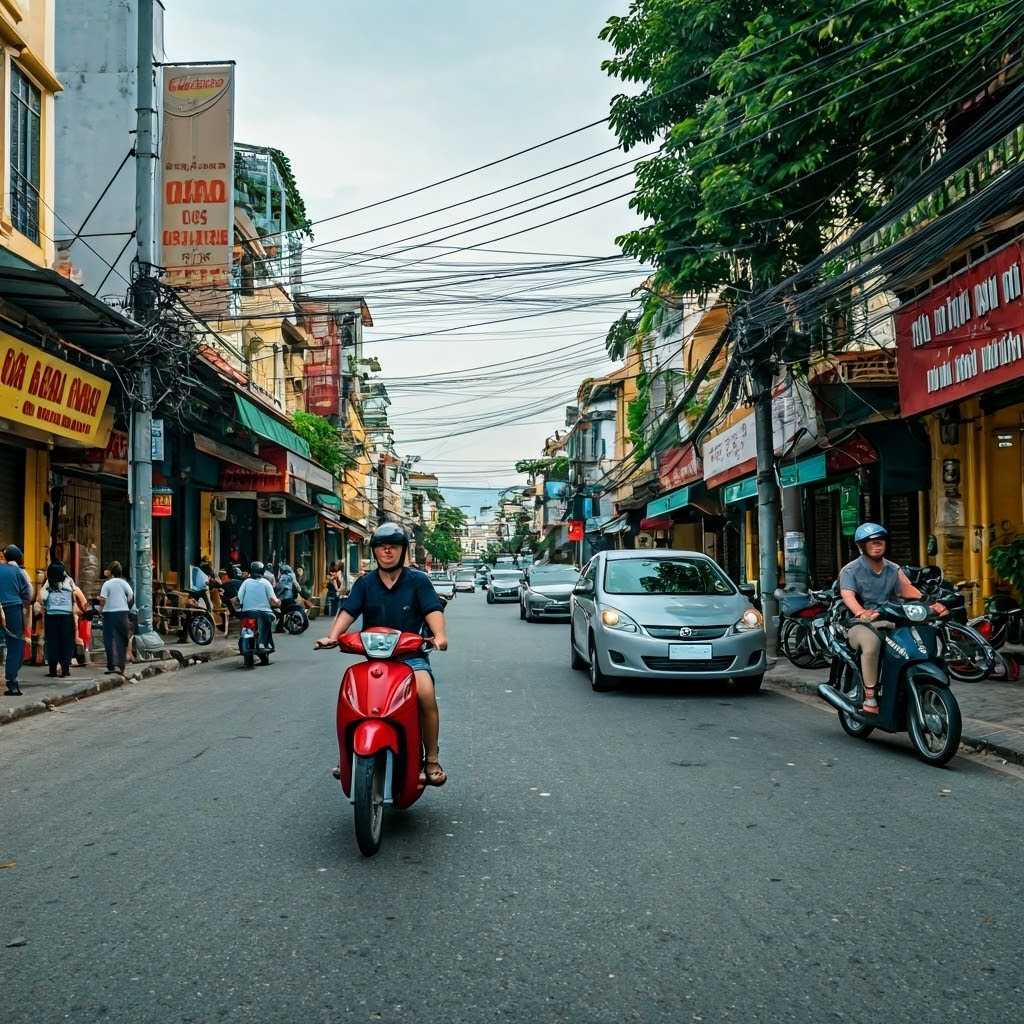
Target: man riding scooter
<point>256,596</point>
<point>401,598</point>
<point>864,584</point>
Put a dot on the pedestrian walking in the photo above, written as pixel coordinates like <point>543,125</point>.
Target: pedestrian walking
<point>59,600</point>
<point>116,601</point>
<point>15,599</point>
<point>332,597</point>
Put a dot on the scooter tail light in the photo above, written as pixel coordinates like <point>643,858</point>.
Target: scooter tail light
<point>985,629</point>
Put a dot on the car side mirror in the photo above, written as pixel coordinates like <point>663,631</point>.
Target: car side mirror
<point>584,587</point>
<point>747,590</point>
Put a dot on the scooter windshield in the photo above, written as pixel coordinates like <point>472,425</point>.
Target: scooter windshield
<point>379,645</point>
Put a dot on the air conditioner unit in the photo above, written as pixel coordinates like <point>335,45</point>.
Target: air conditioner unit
<point>270,508</point>
<point>219,509</point>
<point>644,540</point>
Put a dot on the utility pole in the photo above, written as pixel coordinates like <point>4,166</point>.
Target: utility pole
<point>144,305</point>
<point>767,500</point>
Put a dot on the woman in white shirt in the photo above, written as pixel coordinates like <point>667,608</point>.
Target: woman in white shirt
<point>116,599</point>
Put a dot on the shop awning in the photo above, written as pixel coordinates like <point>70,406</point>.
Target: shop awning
<point>678,498</point>
<point>330,501</point>
<point>265,426</point>
<point>739,490</point>
<point>594,524</point>
<point>228,454</point>
<point>617,525</point>
<point>650,524</point>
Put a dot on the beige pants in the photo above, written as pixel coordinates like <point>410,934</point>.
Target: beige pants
<point>866,640</point>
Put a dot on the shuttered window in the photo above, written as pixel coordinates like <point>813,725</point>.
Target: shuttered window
<point>26,109</point>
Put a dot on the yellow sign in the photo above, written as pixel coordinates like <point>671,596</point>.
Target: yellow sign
<point>45,392</point>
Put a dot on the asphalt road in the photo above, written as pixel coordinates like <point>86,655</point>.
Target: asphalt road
<point>177,851</point>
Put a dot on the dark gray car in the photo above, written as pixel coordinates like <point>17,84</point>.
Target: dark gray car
<point>545,592</point>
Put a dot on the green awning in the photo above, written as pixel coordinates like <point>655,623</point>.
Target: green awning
<point>740,490</point>
<point>803,472</point>
<point>268,428</point>
<point>679,498</point>
<point>329,501</point>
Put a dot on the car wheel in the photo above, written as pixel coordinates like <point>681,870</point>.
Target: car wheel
<point>490,597</point>
<point>749,684</point>
<point>599,682</point>
<point>577,662</point>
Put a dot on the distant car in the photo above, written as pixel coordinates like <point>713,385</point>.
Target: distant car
<point>465,579</point>
<point>481,576</point>
<point>503,584</point>
<point>442,584</point>
<point>637,615</point>
<point>545,590</point>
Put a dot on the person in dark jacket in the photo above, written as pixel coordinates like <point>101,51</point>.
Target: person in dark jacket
<point>15,599</point>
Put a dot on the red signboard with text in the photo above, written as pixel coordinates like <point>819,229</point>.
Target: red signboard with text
<point>963,336</point>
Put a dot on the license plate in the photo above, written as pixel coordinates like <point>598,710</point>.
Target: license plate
<point>689,652</point>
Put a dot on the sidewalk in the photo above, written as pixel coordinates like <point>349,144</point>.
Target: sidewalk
<point>993,711</point>
<point>40,693</point>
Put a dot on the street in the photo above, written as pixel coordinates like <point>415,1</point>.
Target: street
<point>177,850</point>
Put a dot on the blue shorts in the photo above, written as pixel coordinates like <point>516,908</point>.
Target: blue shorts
<point>420,665</point>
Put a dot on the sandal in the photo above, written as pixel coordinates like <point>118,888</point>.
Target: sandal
<point>870,705</point>
<point>433,774</point>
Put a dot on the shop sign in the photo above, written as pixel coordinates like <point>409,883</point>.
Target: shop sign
<point>163,502</point>
<point>964,336</point>
<point>238,478</point>
<point>849,507</point>
<point>44,392</point>
<point>197,187</point>
<point>575,529</point>
<point>679,466</point>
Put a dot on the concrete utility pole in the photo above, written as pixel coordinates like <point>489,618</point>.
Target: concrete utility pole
<point>144,294</point>
<point>767,501</point>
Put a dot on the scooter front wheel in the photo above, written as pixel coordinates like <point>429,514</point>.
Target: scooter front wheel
<point>200,630</point>
<point>294,622</point>
<point>937,738</point>
<point>368,799</point>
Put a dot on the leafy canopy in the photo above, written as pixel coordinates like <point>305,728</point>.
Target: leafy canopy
<point>781,127</point>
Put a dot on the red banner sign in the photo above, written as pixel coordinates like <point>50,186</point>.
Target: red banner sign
<point>237,478</point>
<point>964,336</point>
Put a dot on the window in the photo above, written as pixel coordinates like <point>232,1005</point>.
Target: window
<point>26,106</point>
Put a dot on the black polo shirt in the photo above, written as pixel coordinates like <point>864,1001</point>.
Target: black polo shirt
<point>405,606</point>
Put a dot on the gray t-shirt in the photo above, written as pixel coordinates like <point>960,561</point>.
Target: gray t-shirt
<point>872,589</point>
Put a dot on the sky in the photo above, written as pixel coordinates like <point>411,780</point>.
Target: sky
<point>491,294</point>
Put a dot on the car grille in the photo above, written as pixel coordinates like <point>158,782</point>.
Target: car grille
<point>698,632</point>
<point>691,667</point>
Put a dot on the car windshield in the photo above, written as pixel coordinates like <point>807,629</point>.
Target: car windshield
<point>465,575</point>
<point>438,576</point>
<point>674,576</point>
<point>554,574</point>
<point>506,575</point>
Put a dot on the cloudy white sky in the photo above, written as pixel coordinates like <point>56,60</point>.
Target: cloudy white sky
<point>485,320</point>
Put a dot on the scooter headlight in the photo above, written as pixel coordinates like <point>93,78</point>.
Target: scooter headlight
<point>915,612</point>
<point>612,618</point>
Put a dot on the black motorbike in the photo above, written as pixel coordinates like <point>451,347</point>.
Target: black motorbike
<point>292,617</point>
<point>913,688</point>
<point>255,638</point>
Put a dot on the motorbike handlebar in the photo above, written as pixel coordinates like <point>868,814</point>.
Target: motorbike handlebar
<point>320,645</point>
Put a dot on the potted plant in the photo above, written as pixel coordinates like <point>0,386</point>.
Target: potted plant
<point>1008,562</point>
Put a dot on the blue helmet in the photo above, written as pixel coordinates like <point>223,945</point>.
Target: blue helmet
<point>870,531</point>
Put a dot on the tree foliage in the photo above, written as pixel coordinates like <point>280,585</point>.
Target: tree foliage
<point>555,468</point>
<point>783,124</point>
<point>325,444</point>
<point>443,540</point>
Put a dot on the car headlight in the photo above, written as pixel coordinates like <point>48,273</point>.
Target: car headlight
<point>612,618</point>
<point>750,619</point>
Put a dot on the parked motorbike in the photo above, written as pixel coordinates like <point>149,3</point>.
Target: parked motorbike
<point>251,645</point>
<point>292,617</point>
<point>1001,624</point>
<point>378,722</point>
<point>804,617</point>
<point>913,689</point>
<point>194,620</point>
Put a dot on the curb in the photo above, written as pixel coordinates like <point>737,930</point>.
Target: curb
<point>172,660</point>
<point>982,737</point>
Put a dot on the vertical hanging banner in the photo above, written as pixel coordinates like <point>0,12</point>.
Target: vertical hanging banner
<point>197,186</point>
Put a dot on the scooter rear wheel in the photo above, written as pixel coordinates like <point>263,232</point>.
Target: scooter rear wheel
<point>850,687</point>
<point>938,738</point>
<point>967,656</point>
<point>247,658</point>
<point>294,622</point>
<point>200,630</point>
<point>368,800</point>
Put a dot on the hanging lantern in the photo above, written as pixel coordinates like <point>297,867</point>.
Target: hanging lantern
<point>163,502</point>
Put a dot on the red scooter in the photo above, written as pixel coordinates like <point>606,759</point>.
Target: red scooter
<point>379,743</point>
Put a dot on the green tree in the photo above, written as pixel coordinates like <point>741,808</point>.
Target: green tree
<point>443,540</point>
<point>780,128</point>
<point>325,444</point>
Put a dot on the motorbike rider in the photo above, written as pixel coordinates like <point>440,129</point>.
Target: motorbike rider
<point>287,590</point>
<point>257,597</point>
<point>864,584</point>
<point>401,598</point>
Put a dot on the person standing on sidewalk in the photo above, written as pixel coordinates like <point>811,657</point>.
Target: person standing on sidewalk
<point>116,600</point>
<point>15,599</point>
<point>59,599</point>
